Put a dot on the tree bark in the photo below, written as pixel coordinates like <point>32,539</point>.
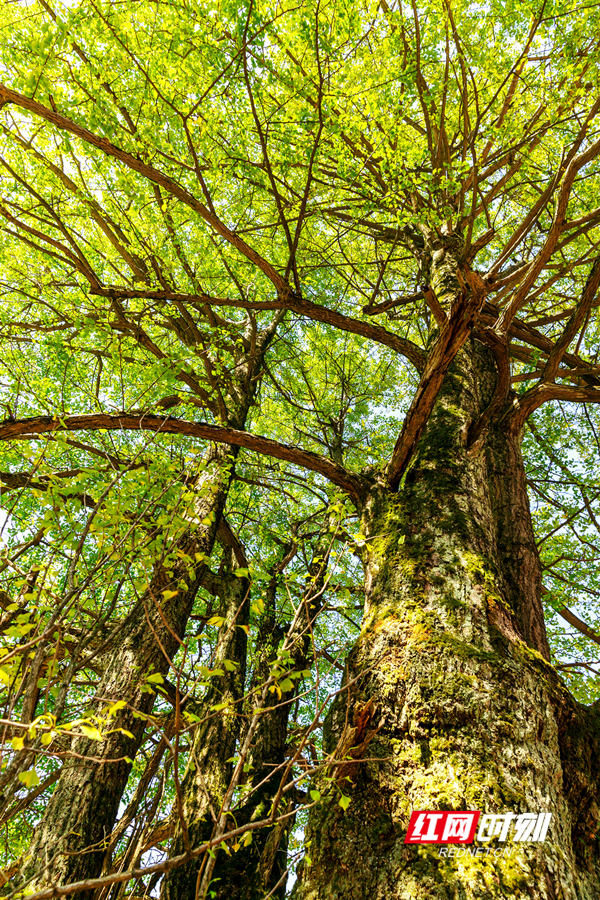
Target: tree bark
<point>71,840</point>
<point>213,744</point>
<point>259,869</point>
<point>450,702</point>
<point>251,871</point>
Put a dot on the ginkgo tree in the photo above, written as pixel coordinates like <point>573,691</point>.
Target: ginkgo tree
<point>300,445</point>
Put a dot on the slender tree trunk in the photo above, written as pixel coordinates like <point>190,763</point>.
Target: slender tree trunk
<point>251,871</point>
<point>70,842</point>
<point>450,699</point>
<point>258,869</point>
<point>255,869</point>
<point>213,745</point>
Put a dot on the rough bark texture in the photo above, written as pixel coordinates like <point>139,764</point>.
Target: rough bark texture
<point>209,770</point>
<point>71,841</point>
<point>450,695</point>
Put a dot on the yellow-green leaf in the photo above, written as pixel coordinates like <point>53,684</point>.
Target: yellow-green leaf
<point>91,732</point>
<point>30,778</point>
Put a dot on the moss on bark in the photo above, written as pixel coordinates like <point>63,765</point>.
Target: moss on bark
<point>467,711</point>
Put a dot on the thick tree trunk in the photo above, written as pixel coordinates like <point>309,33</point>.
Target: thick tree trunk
<point>451,701</point>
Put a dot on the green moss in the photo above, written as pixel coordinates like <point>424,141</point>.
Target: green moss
<point>524,653</point>
<point>465,650</point>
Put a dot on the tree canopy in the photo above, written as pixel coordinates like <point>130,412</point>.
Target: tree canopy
<point>243,245</point>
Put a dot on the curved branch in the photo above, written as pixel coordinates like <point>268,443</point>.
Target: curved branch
<point>575,323</point>
<point>299,305</point>
<point>349,482</point>
<point>569,616</point>
<point>575,164</point>
<point>522,331</point>
<point>147,171</point>
<point>546,389</point>
<point>542,393</point>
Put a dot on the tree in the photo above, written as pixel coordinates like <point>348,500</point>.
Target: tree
<point>292,291</point>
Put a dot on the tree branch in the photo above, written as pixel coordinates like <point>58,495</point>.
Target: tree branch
<point>576,321</point>
<point>522,331</point>
<point>351,483</point>
<point>558,221</point>
<point>147,171</point>
<point>542,393</point>
<point>570,617</point>
<point>294,303</point>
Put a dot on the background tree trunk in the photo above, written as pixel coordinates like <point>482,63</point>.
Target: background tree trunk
<point>450,698</point>
<point>259,869</point>
<point>214,740</point>
<point>71,841</point>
